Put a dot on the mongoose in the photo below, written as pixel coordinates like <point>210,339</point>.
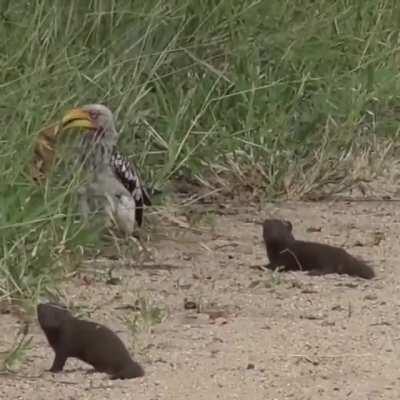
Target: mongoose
<point>284,250</point>
<point>88,341</point>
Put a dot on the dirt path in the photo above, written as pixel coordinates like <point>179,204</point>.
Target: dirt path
<point>258,335</point>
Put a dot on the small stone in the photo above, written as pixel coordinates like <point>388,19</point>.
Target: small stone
<point>182,284</point>
<point>113,281</point>
<point>189,305</point>
<point>314,229</point>
<point>254,284</point>
<point>328,323</point>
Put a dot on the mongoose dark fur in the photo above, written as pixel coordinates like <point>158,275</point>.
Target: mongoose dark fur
<point>283,250</point>
<point>88,341</point>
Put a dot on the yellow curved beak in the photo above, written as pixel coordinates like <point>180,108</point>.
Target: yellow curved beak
<point>77,118</point>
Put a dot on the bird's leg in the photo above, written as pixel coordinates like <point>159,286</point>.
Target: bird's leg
<point>115,241</point>
<point>136,238</point>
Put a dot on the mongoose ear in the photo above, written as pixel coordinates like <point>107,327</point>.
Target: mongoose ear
<point>288,225</point>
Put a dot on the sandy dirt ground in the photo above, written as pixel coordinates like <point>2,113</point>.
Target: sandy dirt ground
<point>254,334</point>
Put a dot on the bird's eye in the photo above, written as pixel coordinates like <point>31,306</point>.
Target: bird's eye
<point>93,115</point>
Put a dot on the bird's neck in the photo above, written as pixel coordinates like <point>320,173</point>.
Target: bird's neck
<point>97,149</point>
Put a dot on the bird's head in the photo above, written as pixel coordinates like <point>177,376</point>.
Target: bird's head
<point>96,120</point>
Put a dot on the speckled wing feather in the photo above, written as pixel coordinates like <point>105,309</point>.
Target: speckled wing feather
<point>129,177</point>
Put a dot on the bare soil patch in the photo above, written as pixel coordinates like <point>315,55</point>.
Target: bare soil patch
<point>231,331</point>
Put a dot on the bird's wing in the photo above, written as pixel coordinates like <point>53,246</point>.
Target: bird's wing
<point>128,174</point>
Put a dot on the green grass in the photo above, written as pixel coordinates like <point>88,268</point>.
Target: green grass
<point>195,85</point>
<point>13,357</point>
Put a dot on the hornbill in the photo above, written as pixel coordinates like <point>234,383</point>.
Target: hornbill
<point>111,176</point>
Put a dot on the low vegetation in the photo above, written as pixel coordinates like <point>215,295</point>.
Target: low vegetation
<point>271,92</point>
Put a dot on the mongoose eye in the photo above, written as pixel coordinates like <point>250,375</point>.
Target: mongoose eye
<point>288,225</point>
